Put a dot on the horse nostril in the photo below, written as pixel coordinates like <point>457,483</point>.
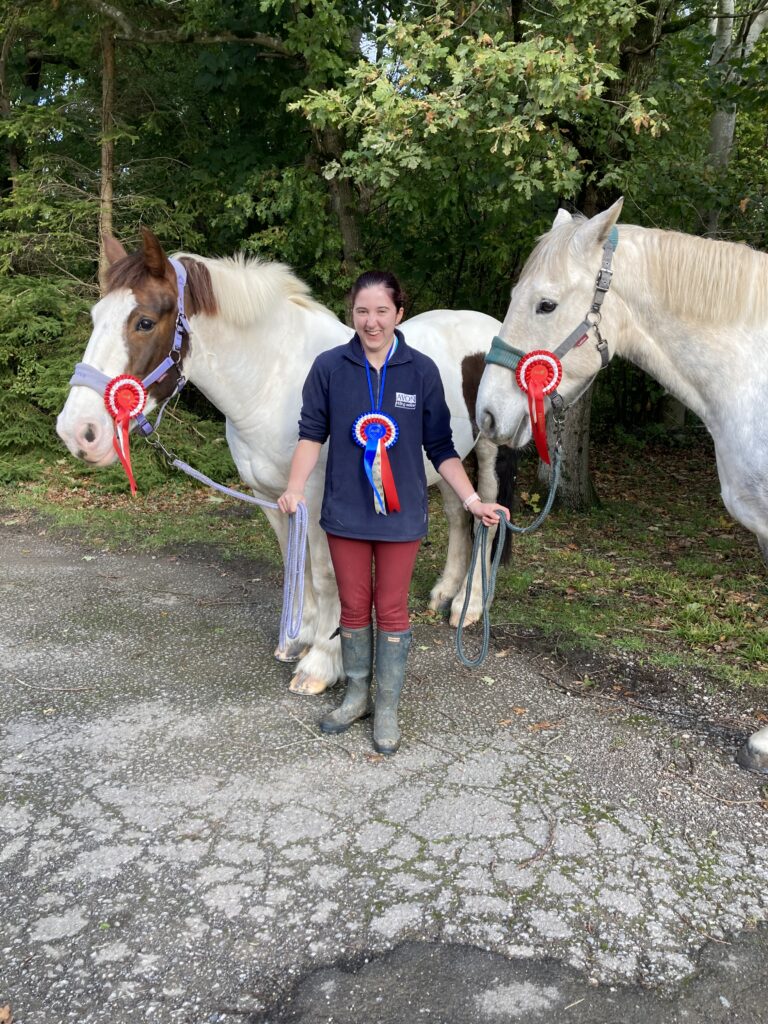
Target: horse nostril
<point>488,423</point>
<point>90,433</point>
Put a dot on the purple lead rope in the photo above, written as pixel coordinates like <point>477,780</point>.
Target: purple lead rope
<point>295,554</point>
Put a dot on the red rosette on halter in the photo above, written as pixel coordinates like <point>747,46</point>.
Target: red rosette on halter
<point>125,397</point>
<point>538,374</point>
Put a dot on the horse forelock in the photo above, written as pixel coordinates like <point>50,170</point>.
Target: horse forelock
<point>246,289</point>
<point>552,249</point>
<point>128,272</point>
<point>132,272</point>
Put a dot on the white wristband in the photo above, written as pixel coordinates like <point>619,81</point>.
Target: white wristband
<point>474,496</point>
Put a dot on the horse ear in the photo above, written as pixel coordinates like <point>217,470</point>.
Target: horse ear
<point>113,250</point>
<point>155,259</point>
<point>562,217</point>
<point>594,232</point>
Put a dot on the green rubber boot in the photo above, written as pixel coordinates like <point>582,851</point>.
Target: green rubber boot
<point>357,660</point>
<point>391,656</point>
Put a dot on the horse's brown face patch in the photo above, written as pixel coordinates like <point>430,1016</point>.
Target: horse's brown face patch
<point>471,371</point>
<point>149,333</point>
<point>150,327</point>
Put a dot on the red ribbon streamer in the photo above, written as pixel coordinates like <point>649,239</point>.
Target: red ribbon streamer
<point>388,481</point>
<point>538,374</point>
<point>538,377</point>
<point>124,398</point>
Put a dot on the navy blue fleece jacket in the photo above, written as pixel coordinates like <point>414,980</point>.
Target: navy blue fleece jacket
<point>335,394</point>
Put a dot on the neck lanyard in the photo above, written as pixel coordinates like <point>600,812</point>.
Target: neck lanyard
<point>374,406</point>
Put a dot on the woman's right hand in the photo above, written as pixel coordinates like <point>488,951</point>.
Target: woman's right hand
<point>288,501</point>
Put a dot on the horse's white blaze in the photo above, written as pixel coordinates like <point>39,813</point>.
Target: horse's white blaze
<point>250,360</point>
<point>84,424</point>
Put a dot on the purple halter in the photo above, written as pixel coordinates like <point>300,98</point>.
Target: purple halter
<point>90,377</point>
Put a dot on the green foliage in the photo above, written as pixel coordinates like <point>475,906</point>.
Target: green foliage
<point>456,130</point>
<point>43,329</point>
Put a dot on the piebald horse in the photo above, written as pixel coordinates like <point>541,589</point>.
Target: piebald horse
<point>254,331</point>
<point>692,312</point>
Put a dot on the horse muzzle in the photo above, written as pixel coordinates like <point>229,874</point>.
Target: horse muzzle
<point>88,438</point>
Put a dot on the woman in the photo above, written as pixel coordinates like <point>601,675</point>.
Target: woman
<point>377,402</point>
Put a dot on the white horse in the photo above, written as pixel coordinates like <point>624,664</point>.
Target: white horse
<point>254,331</point>
<point>692,312</point>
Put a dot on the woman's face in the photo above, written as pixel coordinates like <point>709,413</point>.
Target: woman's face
<point>374,317</point>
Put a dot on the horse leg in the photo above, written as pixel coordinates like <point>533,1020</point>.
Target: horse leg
<point>763,542</point>
<point>457,556</point>
<point>754,754</point>
<point>487,488</point>
<point>320,667</point>
<point>294,649</point>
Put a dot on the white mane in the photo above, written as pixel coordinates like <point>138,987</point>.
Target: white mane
<point>705,280</point>
<point>247,288</point>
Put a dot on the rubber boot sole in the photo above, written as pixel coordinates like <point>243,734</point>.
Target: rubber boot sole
<point>381,749</point>
<point>334,728</point>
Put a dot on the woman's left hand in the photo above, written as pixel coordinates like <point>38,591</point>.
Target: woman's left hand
<point>487,512</point>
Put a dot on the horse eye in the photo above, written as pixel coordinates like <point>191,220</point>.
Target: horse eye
<point>145,324</point>
<point>546,306</point>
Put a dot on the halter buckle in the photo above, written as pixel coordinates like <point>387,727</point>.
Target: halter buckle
<point>603,281</point>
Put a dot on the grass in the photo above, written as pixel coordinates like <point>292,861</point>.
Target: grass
<point>658,572</point>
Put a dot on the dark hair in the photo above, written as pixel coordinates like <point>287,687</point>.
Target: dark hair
<point>373,278</point>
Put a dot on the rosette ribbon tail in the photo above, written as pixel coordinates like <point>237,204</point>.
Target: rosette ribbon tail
<point>122,447</point>
<point>388,481</point>
<point>371,454</point>
<point>124,397</point>
<point>537,379</point>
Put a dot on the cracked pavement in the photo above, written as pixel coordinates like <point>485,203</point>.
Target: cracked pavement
<point>178,839</point>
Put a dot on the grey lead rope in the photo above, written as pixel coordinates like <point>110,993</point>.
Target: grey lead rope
<point>488,587</point>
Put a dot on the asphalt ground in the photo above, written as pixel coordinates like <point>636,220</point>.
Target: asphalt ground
<point>179,843</point>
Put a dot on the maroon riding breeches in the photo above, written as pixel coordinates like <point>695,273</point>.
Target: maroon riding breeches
<point>373,573</point>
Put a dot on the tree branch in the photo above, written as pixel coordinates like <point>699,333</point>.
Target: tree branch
<point>126,31</point>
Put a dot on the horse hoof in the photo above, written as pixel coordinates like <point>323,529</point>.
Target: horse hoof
<point>752,758</point>
<point>440,605</point>
<point>307,686</point>
<point>288,655</point>
<point>471,619</point>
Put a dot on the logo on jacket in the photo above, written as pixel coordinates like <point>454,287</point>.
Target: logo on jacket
<point>403,401</point>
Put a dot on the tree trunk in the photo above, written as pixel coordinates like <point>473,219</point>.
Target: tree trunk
<point>107,147</point>
<point>5,103</point>
<point>731,44</point>
<point>577,490</point>
<point>330,145</point>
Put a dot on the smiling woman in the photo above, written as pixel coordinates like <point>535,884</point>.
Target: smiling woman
<point>373,533</point>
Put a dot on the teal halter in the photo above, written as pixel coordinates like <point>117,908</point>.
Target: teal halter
<point>503,354</point>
